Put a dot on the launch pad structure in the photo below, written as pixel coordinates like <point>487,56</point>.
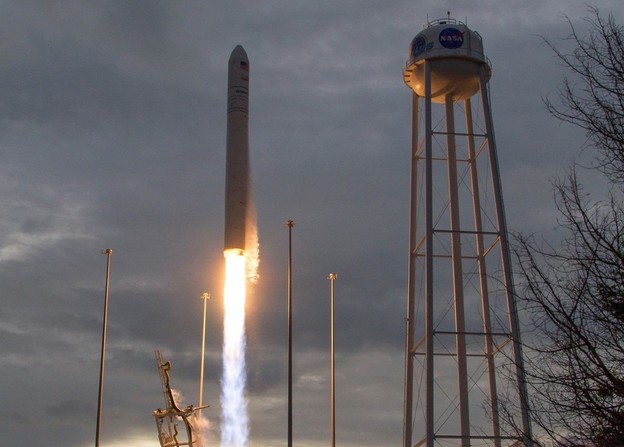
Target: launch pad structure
<point>172,416</point>
<point>463,351</point>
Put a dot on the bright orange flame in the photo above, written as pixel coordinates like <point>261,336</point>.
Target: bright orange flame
<point>234,427</point>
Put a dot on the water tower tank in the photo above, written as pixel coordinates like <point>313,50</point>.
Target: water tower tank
<point>455,53</point>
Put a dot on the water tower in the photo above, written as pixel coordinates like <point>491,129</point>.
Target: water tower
<point>463,351</point>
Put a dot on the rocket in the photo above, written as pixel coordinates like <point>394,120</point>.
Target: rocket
<point>237,181</point>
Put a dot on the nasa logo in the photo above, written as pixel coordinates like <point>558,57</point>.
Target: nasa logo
<point>451,38</point>
<point>418,45</point>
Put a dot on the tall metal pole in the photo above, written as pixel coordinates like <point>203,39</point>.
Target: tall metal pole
<point>489,348</point>
<point>411,290</point>
<point>205,297</point>
<point>108,252</point>
<point>458,275</point>
<point>290,225</point>
<point>514,323</point>
<point>332,277</point>
<point>429,314</point>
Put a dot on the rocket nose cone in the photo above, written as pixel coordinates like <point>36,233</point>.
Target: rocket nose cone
<point>238,53</point>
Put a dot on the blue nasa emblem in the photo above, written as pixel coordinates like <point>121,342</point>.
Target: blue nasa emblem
<point>451,38</point>
<point>418,45</point>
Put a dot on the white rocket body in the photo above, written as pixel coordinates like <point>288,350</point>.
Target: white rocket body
<point>237,181</point>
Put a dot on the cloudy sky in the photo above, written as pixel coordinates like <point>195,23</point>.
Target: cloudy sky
<point>112,135</point>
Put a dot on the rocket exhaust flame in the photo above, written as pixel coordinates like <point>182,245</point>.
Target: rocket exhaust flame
<point>234,430</point>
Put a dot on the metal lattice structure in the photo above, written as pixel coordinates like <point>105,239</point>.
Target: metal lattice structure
<point>463,350</point>
<point>169,419</point>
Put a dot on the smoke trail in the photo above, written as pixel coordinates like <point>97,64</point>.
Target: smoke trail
<point>203,427</point>
<point>234,428</point>
<point>252,245</point>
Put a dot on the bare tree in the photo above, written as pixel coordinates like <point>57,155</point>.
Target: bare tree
<point>575,295</point>
<point>592,98</point>
<point>574,291</point>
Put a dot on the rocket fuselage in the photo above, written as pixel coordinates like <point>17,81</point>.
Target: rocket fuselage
<point>237,181</point>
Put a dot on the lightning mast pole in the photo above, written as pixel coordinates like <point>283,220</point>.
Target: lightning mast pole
<point>290,224</point>
<point>332,278</point>
<point>108,252</point>
<point>205,297</point>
